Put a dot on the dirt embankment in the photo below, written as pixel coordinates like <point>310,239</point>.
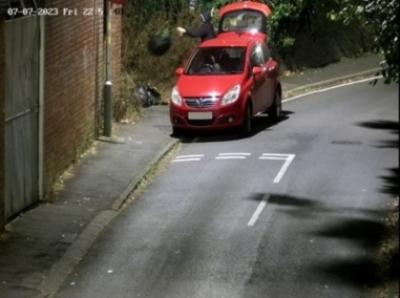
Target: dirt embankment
<point>322,46</point>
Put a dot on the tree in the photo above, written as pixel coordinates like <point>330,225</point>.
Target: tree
<point>292,17</point>
<point>383,15</point>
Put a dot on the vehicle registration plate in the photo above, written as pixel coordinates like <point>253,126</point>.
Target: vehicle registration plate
<point>200,116</point>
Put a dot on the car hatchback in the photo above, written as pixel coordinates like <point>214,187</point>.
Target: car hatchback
<point>226,82</point>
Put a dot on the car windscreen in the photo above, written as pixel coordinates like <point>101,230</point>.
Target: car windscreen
<point>217,61</point>
<point>243,20</point>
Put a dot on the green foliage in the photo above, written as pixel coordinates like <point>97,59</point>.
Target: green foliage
<point>282,26</point>
<point>383,15</point>
<point>126,106</point>
<point>302,33</point>
<point>316,23</point>
<point>143,11</point>
<point>217,3</point>
<point>142,21</point>
<point>146,66</point>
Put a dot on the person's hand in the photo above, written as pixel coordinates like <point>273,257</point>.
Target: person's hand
<point>180,30</point>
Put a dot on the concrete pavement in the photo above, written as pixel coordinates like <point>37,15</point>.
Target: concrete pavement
<point>44,244</point>
<point>342,71</point>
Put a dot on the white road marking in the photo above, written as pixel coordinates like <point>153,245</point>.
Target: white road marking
<point>288,158</point>
<point>258,211</point>
<point>232,155</point>
<point>275,154</point>
<point>188,158</point>
<point>284,168</point>
<point>272,158</point>
<point>229,157</point>
<point>331,88</point>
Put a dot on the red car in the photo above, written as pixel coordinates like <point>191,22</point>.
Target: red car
<point>230,79</point>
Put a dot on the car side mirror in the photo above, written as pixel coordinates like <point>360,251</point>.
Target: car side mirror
<point>272,66</point>
<point>256,70</point>
<point>179,71</point>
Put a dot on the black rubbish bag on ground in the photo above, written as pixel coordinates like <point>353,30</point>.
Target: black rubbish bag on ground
<point>147,95</point>
<point>160,43</point>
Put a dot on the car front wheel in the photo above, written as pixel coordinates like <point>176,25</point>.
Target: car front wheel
<point>276,109</point>
<point>176,132</point>
<point>247,125</point>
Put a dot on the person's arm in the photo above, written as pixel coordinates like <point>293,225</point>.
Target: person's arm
<point>197,32</point>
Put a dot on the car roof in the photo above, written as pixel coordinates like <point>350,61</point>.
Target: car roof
<point>244,5</point>
<point>232,39</point>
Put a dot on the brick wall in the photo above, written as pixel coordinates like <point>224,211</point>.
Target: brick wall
<point>73,79</point>
<point>2,104</point>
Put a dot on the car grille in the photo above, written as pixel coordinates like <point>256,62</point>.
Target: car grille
<point>201,102</point>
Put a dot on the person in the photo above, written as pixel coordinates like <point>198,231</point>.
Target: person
<point>204,32</point>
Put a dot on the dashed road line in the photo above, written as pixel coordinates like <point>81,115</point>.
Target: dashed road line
<point>188,158</point>
<point>229,157</point>
<point>280,155</point>
<point>258,211</point>
<point>233,155</point>
<point>271,158</point>
<point>288,158</point>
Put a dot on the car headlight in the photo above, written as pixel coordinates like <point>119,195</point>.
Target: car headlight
<point>232,95</point>
<point>176,97</point>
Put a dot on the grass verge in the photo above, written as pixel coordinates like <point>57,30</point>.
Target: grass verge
<point>388,256</point>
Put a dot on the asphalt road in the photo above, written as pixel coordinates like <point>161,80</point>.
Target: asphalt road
<point>298,213</point>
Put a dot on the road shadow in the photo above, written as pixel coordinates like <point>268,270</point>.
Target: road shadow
<point>284,200</point>
<point>360,228</point>
<point>260,123</point>
<point>388,144</point>
<point>391,182</point>
<point>391,126</point>
<point>359,272</point>
<point>366,233</point>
